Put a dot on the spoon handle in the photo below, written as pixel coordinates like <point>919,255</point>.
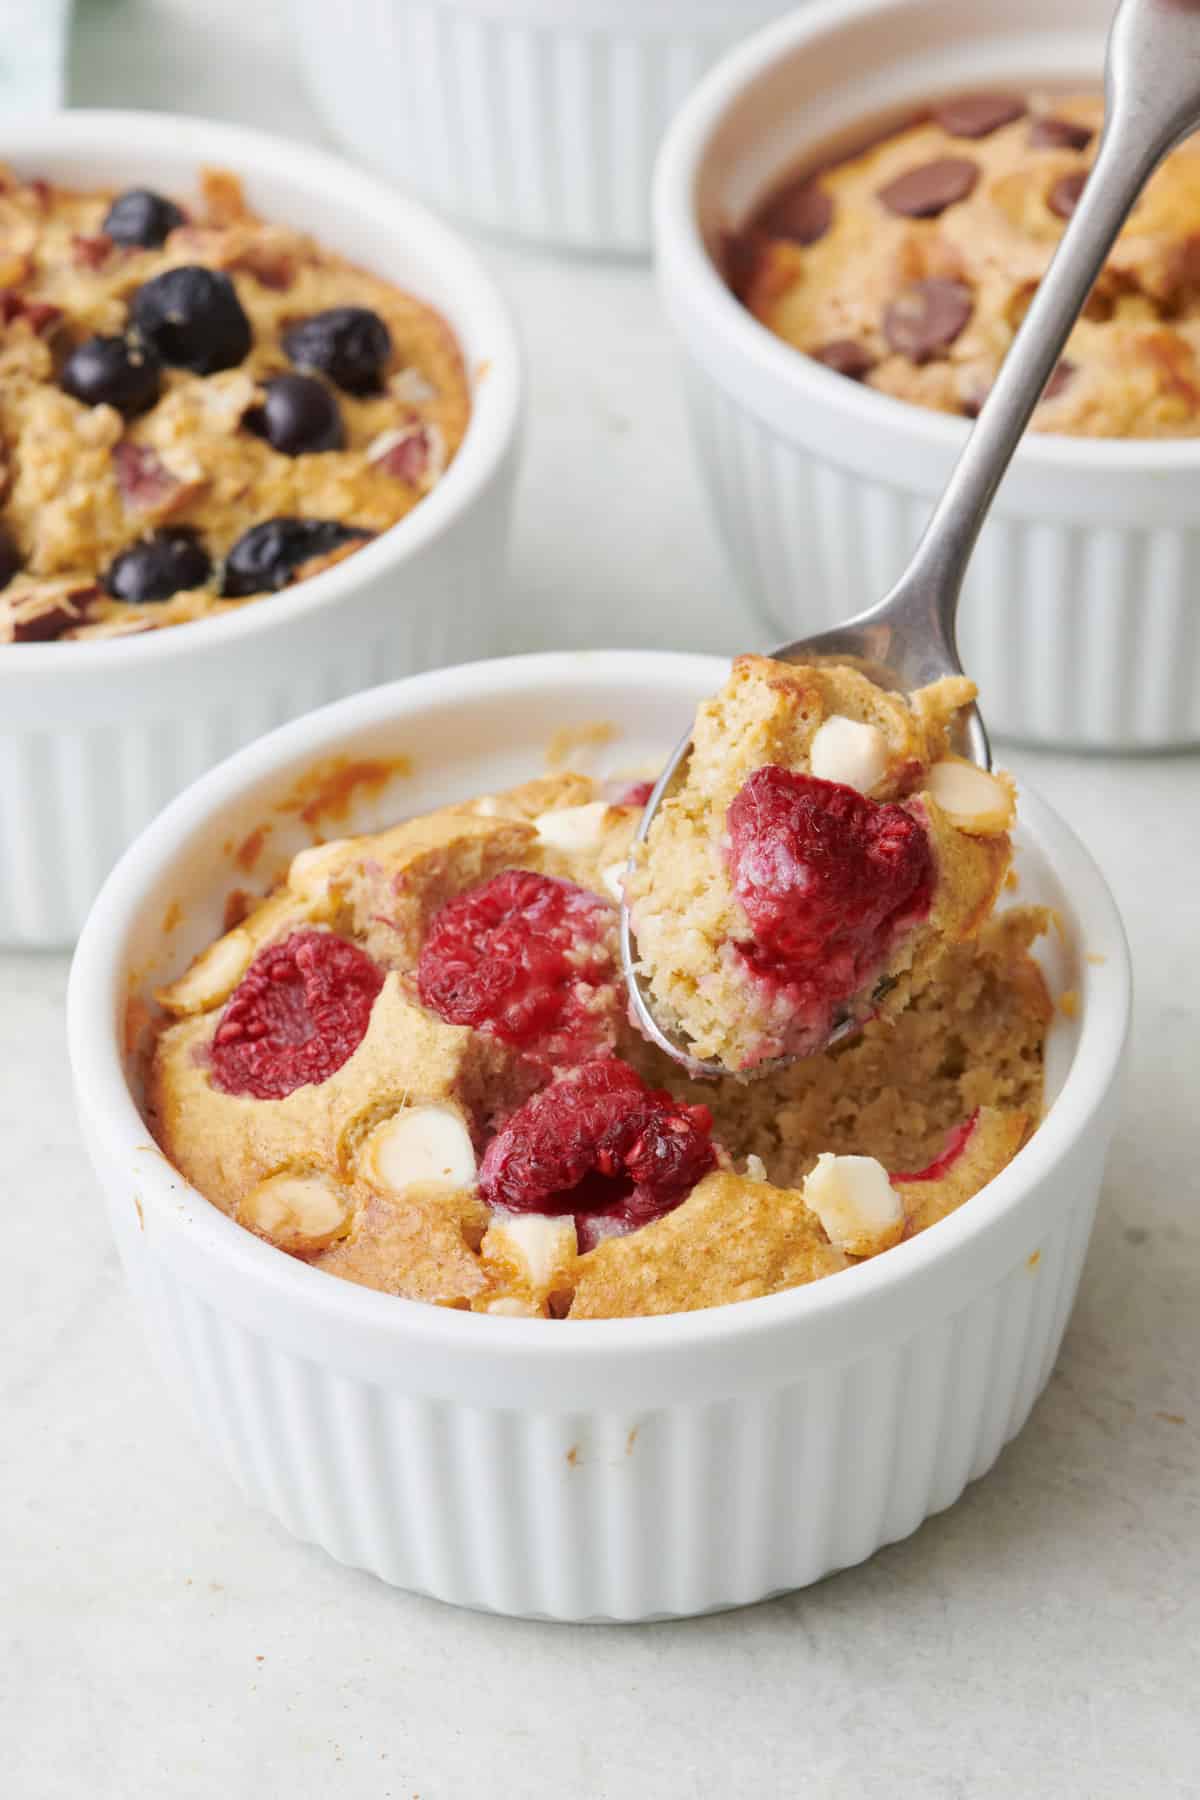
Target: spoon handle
<point>1152,94</point>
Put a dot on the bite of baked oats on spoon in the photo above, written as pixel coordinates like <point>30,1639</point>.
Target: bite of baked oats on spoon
<point>832,824</point>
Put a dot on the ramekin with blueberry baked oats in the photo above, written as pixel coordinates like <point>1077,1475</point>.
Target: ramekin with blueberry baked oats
<point>276,410</point>
<point>198,406</point>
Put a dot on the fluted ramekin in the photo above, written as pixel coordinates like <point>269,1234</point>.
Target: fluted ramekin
<point>96,737</point>
<point>1080,618</point>
<point>609,1469</point>
<point>535,118</point>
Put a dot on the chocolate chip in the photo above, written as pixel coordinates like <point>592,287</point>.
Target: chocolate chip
<point>926,191</point>
<point>846,357</point>
<point>977,115</point>
<point>1063,197</point>
<point>802,213</point>
<point>1048,133</point>
<point>1063,371</point>
<point>926,317</point>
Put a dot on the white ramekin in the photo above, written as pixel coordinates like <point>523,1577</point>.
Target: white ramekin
<point>1081,619</point>
<point>617,1469</point>
<point>96,737</point>
<point>536,118</point>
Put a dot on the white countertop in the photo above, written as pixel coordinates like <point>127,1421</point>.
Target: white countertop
<point>159,1639</point>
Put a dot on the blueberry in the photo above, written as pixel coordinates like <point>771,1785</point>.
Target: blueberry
<point>113,371</point>
<point>299,413</point>
<point>10,558</point>
<point>266,557</point>
<point>168,562</point>
<point>141,217</point>
<point>193,318</point>
<point>350,344</point>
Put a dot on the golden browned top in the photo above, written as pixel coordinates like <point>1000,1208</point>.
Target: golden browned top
<point>911,265</point>
<point>317,1172</point>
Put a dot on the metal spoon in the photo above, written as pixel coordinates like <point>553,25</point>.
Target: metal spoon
<point>1152,101</point>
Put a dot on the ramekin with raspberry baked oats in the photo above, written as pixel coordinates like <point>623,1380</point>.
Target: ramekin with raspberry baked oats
<point>248,394</point>
<point>467,1277</point>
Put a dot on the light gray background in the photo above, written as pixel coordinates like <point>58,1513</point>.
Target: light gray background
<point>159,1639</point>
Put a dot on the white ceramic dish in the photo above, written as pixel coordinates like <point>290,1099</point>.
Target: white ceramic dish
<point>536,118</point>
<point>96,737</point>
<point>33,74</point>
<point>1080,618</point>
<point>618,1469</point>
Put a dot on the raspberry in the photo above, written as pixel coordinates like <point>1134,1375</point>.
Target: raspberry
<point>523,956</point>
<point>299,1012</point>
<point>602,1145</point>
<point>955,1146</point>
<point>829,880</point>
<point>636,794</point>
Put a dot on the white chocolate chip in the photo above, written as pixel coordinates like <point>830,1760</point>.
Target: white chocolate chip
<point>426,1146</point>
<point>539,1246</point>
<point>856,1203</point>
<point>573,827</point>
<point>614,880</point>
<point>297,1212</point>
<point>508,1308</point>
<point>486,808</point>
<point>971,798</point>
<point>212,977</point>
<point>756,1168</point>
<point>848,751</point>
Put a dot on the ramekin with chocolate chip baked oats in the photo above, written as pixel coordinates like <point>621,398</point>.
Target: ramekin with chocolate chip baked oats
<point>246,393</point>
<point>466,1282</point>
<point>883,182</point>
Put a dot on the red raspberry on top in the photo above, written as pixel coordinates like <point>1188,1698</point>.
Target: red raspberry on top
<point>528,958</point>
<point>600,1144</point>
<point>299,1012</point>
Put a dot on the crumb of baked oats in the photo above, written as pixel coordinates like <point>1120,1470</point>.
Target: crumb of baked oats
<point>205,376</point>
<point>432,1158</point>
<point>909,267</point>
<point>805,870</point>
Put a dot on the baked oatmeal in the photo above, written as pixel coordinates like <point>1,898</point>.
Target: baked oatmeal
<point>197,407</point>
<point>411,1066</point>
<point>822,852</point>
<point>910,266</point>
